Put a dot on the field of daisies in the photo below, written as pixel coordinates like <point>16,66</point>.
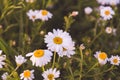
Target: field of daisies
<point>59,40</point>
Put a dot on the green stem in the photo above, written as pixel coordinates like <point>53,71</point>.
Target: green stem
<point>81,64</point>
<point>43,68</point>
<point>54,59</point>
<point>14,71</point>
<point>71,73</point>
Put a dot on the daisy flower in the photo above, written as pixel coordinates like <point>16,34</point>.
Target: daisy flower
<point>88,10</point>
<point>103,2</point>
<point>106,13</point>
<point>115,60</point>
<point>2,58</point>
<point>40,57</point>
<point>114,2</point>
<point>4,76</point>
<point>108,30</point>
<point>20,60</point>
<point>50,74</point>
<point>58,40</point>
<point>74,13</point>
<point>27,75</point>
<point>32,15</point>
<point>44,15</point>
<point>67,51</point>
<point>102,57</point>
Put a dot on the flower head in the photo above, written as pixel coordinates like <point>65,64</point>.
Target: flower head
<point>40,57</point>
<point>88,10</point>
<point>27,75</point>
<point>108,30</point>
<point>32,15</point>
<point>51,74</point>
<point>103,2</point>
<point>20,59</point>
<point>115,60</point>
<point>106,13</point>
<point>30,1</point>
<point>74,13</point>
<point>58,40</point>
<point>102,57</point>
<point>4,76</point>
<point>44,15</point>
<point>2,58</point>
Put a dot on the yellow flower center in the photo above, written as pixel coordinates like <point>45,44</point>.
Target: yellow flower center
<point>58,40</point>
<point>107,12</point>
<point>39,53</point>
<point>50,77</point>
<point>44,12</point>
<point>103,55</point>
<point>115,60</point>
<point>27,73</point>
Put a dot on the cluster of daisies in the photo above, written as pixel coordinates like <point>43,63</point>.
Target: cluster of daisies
<point>102,58</point>
<point>58,41</point>
<point>43,15</point>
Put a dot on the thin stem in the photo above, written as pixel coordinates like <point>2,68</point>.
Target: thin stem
<point>14,71</point>
<point>54,59</point>
<point>43,68</point>
<point>81,64</point>
<point>71,73</point>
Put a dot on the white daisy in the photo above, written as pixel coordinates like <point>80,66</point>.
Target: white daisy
<point>114,2</point>
<point>88,10</point>
<point>58,40</point>
<point>50,74</point>
<point>44,15</point>
<point>20,60</point>
<point>2,58</point>
<point>32,15</point>
<point>115,60</point>
<point>67,51</point>
<point>4,76</point>
<point>103,2</point>
<point>108,30</point>
<point>40,57</point>
<point>102,57</point>
<point>106,13</point>
<point>27,75</point>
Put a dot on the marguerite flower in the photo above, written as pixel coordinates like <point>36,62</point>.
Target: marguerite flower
<point>103,2</point>
<point>106,13</point>
<point>40,57</point>
<point>4,76</point>
<point>67,51</point>
<point>44,15</point>
<point>108,30</point>
<point>58,40</point>
<point>102,57</point>
<point>114,2</point>
<point>27,75</point>
<point>88,10</point>
<point>20,60</point>
<point>50,74</point>
<point>32,15</point>
<point>115,60</point>
<point>2,58</point>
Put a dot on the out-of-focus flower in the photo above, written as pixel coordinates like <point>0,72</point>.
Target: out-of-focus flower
<point>108,30</point>
<point>42,32</point>
<point>27,75</point>
<point>114,31</point>
<point>114,2</point>
<point>115,60</point>
<point>4,76</point>
<point>67,51</point>
<point>88,10</point>
<point>40,57</point>
<point>30,1</point>
<point>20,60</point>
<point>103,2</point>
<point>32,14</point>
<point>44,15</point>
<point>106,13</point>
<point>2,58</point>
<point>102,57</point>
<point>58,40</point>
<point>74,13</point>
<point>82,47</point>
<point>1,26</point>
<point>50,74</point>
